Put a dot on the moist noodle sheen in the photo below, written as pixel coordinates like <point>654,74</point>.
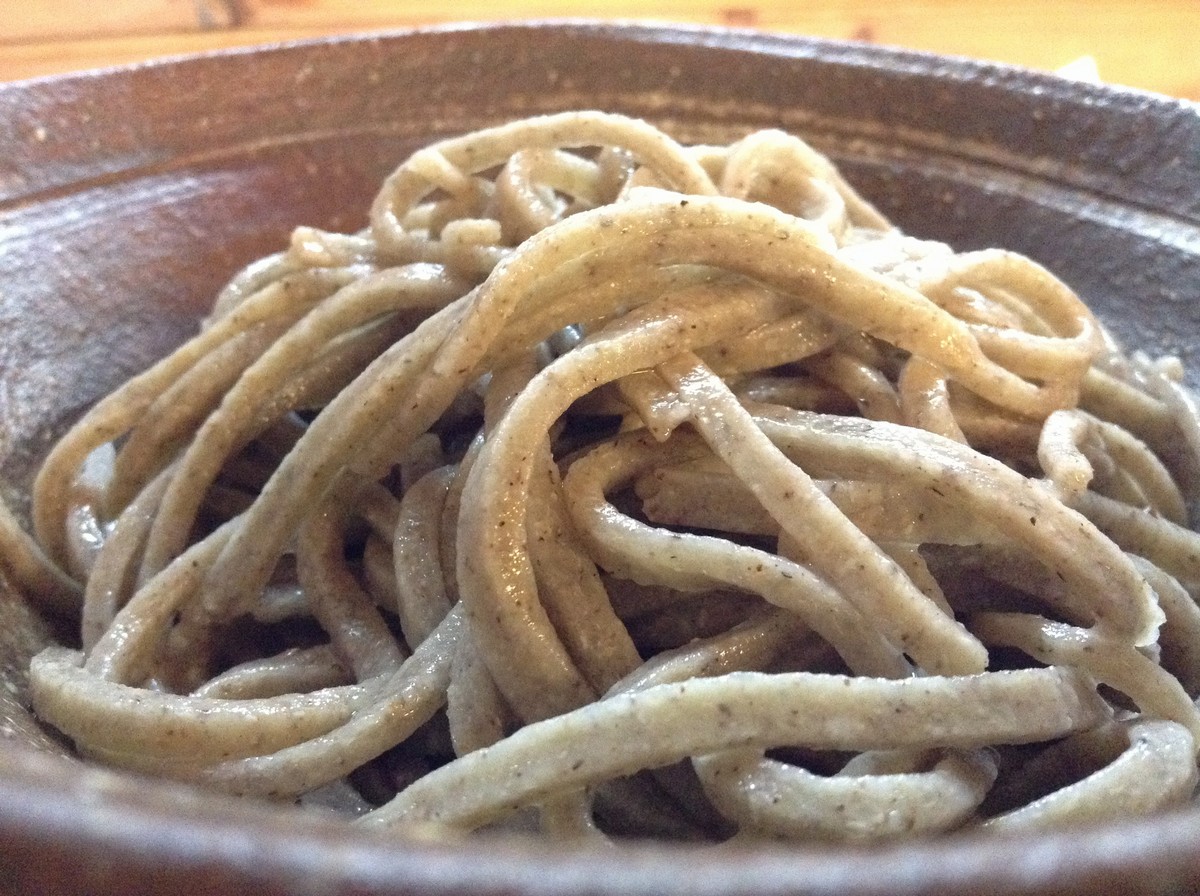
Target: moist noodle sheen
<point>609,487</point>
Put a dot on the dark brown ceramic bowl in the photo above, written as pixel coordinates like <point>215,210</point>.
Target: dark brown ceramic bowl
<point>127,197</point>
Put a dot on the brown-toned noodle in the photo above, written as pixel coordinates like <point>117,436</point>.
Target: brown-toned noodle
<point>623,488</point>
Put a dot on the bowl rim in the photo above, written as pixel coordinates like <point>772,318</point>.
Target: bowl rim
<point>93,815</point>
<point>650,30</point>
<point>1125,109</point>
<point>162,833</point>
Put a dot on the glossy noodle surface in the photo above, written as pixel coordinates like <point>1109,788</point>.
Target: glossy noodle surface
<point>604,487</point>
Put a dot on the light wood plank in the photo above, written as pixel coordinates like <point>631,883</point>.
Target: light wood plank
<point>50,20</point>
<point>1149,44</point>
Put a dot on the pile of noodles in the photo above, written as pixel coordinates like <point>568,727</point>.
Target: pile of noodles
<point>610,487</point>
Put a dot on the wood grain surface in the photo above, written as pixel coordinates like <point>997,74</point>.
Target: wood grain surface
<point>1147,44</point>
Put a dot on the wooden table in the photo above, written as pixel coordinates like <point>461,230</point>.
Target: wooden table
<point>1148,44</point>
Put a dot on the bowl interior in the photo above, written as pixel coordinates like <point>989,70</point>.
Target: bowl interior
<point>128,197</point>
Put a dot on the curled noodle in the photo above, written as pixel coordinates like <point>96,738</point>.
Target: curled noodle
<point>618,487</point>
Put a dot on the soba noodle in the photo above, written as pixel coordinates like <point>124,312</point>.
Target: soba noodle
<point>616,487</point>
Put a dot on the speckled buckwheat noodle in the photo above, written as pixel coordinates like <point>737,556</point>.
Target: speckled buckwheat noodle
<point>609,487</point>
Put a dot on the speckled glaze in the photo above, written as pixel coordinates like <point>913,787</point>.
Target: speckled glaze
<point>127,198</point>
